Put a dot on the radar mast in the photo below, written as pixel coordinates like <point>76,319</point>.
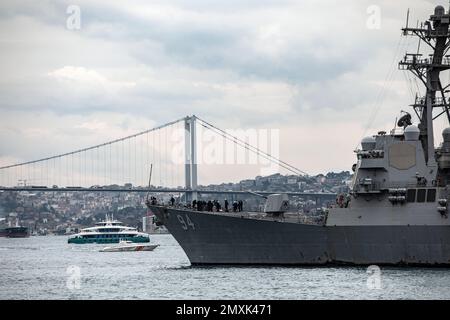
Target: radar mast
<point>435,33</point>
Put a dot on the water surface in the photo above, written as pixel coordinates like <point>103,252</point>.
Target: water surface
<point>47,268</point>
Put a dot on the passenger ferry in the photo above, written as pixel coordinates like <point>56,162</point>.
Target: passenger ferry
<point>109,231</point>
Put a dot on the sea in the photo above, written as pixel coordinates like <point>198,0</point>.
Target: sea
<point>47,267</point>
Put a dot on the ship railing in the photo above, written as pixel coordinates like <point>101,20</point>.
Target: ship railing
<point>438,33</point>
<point>426,32</point>
<point>377,188</point>
<point>409,185</point>
<point>420,101</point>
<point>409,61</point>
<point>380,187</point>
<point>367,185</point>
<point>370,154</point>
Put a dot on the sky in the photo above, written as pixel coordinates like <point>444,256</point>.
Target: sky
<point>321,72</point>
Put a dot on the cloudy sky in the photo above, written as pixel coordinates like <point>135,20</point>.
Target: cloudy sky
<point>323,72</point>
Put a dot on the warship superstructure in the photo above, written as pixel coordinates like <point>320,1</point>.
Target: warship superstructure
<point>395,214</point>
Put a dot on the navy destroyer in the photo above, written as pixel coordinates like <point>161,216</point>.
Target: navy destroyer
<point>395,214</point>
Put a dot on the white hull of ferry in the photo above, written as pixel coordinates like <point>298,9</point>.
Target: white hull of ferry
<point>132,247</point>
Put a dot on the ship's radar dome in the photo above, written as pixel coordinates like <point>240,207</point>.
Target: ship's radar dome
<point>439,11</point>
<point>368,143</point>
<point>412,133</point>
<point>446,134</point>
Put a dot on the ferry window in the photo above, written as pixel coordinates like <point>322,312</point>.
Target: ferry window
<point>411,195</point>
<point>431,195</point>
<point>421,195</point>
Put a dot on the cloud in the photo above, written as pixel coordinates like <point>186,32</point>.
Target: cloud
<point>309,68</point>
<point>88,80</point>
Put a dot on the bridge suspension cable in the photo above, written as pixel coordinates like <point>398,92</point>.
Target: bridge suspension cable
<point>251,148</point>
<point>116,162</point>
<point>96,146</point>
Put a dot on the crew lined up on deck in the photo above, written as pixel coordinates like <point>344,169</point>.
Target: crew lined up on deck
<point>215,206</point>
<point>202,205</point>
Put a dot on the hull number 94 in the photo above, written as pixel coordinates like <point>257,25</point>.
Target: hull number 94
<point>186,222</point>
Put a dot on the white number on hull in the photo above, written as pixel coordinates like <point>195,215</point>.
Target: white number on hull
<point>190,223</point>
<point>186,224</point>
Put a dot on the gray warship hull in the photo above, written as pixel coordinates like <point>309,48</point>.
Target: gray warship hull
<point>219,238</point>
<point>395,213</point>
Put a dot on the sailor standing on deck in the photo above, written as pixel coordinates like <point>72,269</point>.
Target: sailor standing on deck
<point>217,205</point>
<point>210,206</point>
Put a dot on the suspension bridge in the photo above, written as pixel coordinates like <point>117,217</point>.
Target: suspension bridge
<point>161,159</point>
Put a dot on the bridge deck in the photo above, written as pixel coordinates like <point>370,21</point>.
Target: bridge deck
<point>145,190</point>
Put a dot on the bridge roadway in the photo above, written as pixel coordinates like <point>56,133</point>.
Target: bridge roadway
<point>163,190</point>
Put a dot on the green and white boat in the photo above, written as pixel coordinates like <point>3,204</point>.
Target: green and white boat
<point>109,231</point>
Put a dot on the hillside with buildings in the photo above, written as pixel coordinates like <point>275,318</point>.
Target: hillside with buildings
<point>67,212</point>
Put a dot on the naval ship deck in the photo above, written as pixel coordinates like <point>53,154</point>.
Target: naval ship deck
<point>287,217</point>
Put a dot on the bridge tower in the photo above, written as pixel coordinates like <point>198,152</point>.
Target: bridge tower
<point>190,164</point>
